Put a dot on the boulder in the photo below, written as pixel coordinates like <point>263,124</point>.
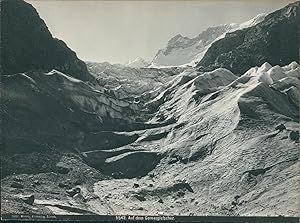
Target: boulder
<point>140,197</point>
<point>151,175</point>
<point>17,185</point>
<point>28,199</point>
<point>62,184</point>
<point>72,192</point>
<point>78,182</point>
<point>18,179</point>
<point>180,193</point>
<point>136,185</point>
<point>60,168</point>
<point>37,182</point>
<point>294,135</point>
<point>236,197</point>
<point>280,127</point>
<point>172,160</point>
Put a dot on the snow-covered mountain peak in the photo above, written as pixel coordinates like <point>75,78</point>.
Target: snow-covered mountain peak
<point>252,22</point>
<point>175,38</point>
<point>185,51</point>
<point>137,63</point>
<point>178,39</point>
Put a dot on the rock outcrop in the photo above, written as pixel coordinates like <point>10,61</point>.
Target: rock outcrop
<point>27,44</point>
<point>274,40</point>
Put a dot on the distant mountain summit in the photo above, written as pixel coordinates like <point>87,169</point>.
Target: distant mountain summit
<point>274,40</point>
<point>27,44</point>
<point>137,63</point>
<point>182,50</point>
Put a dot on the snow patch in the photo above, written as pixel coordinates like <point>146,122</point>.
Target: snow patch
<point>29,78</point>
<point>55,72</point>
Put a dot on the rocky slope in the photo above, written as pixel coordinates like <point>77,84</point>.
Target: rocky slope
<point>275,39</point>
<point>28,45</point>
<point>185,51</point>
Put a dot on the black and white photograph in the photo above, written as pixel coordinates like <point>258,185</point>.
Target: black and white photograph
<point>151,110</point>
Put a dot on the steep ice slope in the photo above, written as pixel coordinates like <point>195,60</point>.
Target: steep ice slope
<point>223,154</point>
<point>54,109</point>
<point>127,81</point>
<point>183,51</point>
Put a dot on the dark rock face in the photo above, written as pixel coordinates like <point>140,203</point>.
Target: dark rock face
<point>274,40</point>
<point>28,45</point>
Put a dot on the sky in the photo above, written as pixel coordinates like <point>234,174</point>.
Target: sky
<point>120,31</point>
